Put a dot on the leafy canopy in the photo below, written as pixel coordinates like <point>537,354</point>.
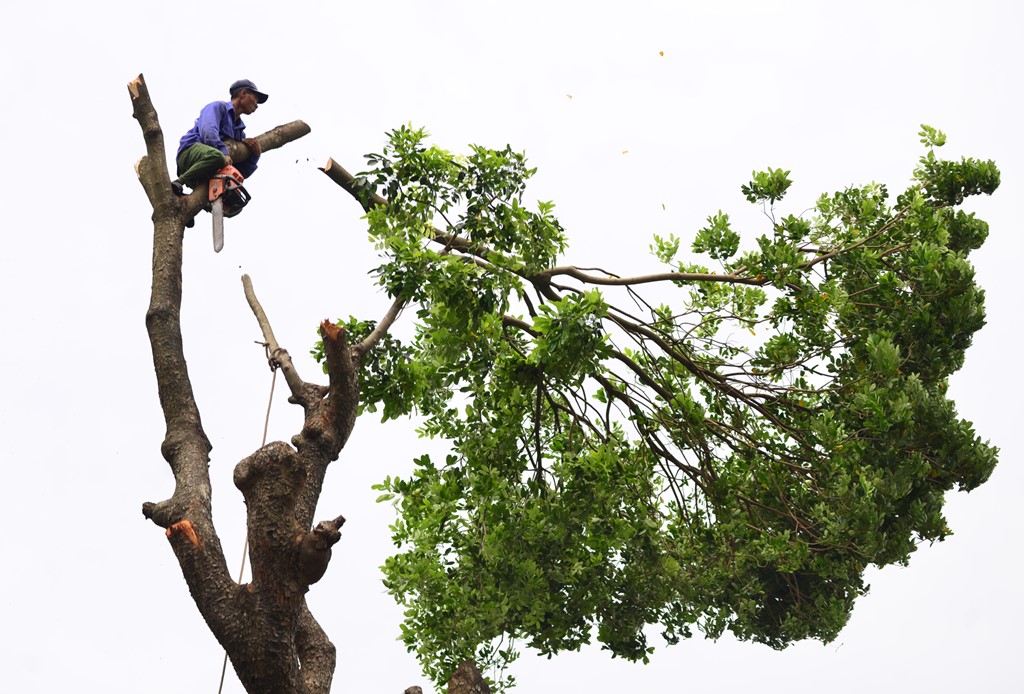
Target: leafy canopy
<point>714,447</point>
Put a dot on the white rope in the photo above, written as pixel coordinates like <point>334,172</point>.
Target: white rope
<point>245,545</point>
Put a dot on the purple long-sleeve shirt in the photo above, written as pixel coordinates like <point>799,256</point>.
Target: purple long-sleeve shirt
<point>215,123</point>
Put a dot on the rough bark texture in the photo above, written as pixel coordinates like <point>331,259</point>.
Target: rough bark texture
<point>467,680</point>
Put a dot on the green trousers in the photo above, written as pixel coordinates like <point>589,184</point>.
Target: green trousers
<point>198,163</point>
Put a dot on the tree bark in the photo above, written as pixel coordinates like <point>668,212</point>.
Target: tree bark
<point>467,680</point>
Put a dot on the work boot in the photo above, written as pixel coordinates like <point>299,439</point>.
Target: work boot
<point>178,187</point>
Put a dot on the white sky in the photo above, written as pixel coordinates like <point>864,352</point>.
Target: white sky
<point>90,595</point>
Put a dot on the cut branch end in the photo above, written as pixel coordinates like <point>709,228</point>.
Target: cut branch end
<point>184,527</point>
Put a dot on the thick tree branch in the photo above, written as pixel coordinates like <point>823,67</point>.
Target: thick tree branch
<point>330,422</point>
<point>368,200</point>
<point>186,446</point>
<point>343,375</point>
<point>151,169</point>
<point>613,281</point>
<point>542,280</point>
<point>337,173</point>
<point>316,652</point>
<point>272,139</point>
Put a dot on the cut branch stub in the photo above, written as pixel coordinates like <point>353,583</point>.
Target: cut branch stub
<point>366,198</point>
<point>184,527</point>
<point>343,374</point>
<point>315,549</point>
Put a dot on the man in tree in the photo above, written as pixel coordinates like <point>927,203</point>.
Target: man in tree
<point>202,151</point>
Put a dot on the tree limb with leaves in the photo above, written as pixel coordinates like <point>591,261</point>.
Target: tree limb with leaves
<point>716,445</point>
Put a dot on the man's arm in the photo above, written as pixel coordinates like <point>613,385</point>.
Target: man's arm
<point>247,167</point>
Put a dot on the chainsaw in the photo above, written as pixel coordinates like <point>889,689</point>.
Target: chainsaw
<point>227,198</point>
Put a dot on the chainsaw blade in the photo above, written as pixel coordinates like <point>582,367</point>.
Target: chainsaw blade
<point>218,225</point>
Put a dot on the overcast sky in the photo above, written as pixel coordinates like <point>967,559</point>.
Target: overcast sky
<point>642,117</point>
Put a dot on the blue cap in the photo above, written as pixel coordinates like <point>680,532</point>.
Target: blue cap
<point>248,84</point>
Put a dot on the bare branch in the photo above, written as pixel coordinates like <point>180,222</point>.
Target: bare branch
<point>611,280</point>
<point>381,329</point>
<point>295,383</point>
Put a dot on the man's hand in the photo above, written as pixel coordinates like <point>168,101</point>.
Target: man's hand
<point>254,146</point>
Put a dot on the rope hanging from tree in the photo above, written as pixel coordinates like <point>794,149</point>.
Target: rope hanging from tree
<point>274,365</point>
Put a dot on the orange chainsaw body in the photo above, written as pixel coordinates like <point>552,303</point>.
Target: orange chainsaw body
<point>227,198</point>
<point>226,186</point>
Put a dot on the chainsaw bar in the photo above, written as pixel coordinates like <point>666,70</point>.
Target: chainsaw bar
<point>227,198</point>
<point>218,224</point>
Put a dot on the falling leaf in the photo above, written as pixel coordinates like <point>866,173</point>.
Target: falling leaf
<point>661,53</point>
<point>625,151</point>
<point>662,205</point>
<point>570,96</point>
